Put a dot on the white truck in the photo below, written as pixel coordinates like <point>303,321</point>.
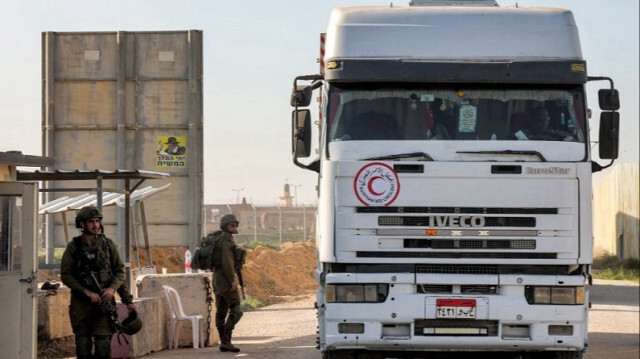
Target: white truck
<point>454,178</point>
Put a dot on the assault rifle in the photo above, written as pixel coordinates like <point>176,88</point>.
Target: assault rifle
<point>239,257</point>
<point>109,309</point>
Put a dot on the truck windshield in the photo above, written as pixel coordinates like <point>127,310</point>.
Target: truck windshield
<point>456,114</point>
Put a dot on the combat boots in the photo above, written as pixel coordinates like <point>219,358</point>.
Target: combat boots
<point>225,344</point>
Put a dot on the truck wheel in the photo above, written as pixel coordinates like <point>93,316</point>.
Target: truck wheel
<point>338,354</point>
<point>567,355</point>
<point>370,356</point>
<point>556,355</point>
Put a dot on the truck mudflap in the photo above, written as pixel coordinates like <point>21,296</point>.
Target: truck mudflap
<point>448,354</point>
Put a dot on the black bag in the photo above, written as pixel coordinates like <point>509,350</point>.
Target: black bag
<point>203,256</point>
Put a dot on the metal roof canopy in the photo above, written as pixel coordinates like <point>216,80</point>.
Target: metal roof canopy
<point>64,204</point>
<point>16,158</point>
<point>98,175</point>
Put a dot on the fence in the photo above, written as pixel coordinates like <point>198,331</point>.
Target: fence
<point>615,213</point>
<point>271,224</point>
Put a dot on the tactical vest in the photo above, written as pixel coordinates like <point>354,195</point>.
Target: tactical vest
<point>93,263</point>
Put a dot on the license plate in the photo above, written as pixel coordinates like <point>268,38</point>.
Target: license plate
<point>456,308</point>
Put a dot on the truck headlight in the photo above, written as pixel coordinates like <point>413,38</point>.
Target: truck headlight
<point>356,293</point>
<point>554,295</point>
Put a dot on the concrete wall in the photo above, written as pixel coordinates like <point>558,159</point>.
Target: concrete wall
<point>122,95</point>
<point>151,338</point>
<point>193,295</point>
<point>616,215</point>
<point>53,322</point>
<point>53,315</point>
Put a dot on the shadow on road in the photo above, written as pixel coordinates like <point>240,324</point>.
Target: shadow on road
<point>266,347</point>
<point>615,295</point>
<point>625,346</point>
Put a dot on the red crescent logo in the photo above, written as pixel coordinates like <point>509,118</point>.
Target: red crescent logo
<point>370,186</point>
<point>376,184</point>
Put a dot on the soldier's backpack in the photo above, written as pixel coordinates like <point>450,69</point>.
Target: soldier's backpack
<point>203,256</point>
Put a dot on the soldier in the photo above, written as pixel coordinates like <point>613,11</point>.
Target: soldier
<point>91,267</point>
<point>225,282</point>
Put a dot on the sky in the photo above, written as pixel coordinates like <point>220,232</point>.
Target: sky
<point>252,52</point>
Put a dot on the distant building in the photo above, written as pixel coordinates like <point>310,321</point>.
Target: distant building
<point>286,199</point>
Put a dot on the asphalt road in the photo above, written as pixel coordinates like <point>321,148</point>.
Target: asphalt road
<point>288,331</point>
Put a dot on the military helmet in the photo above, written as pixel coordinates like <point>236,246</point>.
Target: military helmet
<point>132,324</point>
<point>226,219</point>
<point>86,213</point>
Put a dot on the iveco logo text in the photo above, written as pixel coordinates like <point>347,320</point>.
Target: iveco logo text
<point>456,221</point>
<point>547,171</point>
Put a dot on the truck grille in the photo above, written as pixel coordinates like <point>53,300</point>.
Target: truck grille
<point>509,255</point>
<point>488,327</point>
<point>469,244</point>
<point>478,289</point>
<point>434,288</point>
<point>464,289</point>
<point>426,221</point>
<point>456,269</point>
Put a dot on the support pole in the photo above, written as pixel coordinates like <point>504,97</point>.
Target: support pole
<point>134,237</point>
<point>127,232</point>
<point>65,226</point>
<point>99,192</point>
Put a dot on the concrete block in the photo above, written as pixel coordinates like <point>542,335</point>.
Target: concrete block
<point>53,314</point>
<point>193,295</point>
<point>150,338</point>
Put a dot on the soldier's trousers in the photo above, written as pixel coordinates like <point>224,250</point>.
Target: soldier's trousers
<point>84,344</point>
<point>228,304</point>
<point>91,328</point>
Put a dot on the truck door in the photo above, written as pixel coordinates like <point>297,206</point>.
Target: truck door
<point>18,280</point>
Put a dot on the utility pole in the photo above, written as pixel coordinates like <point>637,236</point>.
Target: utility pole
<point>295,193</point>
<point>255,223</point>
<point>237,191</point>
<point>304,223</point>
<point>280,222</point>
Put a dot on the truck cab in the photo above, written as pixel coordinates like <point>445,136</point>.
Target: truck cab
<point>454,172</point>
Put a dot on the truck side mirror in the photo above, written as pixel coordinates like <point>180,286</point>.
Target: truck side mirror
<point>301,96</point>
<point>609,100</point>
<point>301,133</point>
<point>609,134</point>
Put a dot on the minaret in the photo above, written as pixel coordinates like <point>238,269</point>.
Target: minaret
<point>286,199</point>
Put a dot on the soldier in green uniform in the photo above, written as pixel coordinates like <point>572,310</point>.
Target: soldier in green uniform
<point>228,310</point>
<point>91,267</point>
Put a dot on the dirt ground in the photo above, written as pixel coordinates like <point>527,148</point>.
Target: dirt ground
<point>270,276</point>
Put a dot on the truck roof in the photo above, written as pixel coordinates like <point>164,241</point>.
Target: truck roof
<point>452,33</point>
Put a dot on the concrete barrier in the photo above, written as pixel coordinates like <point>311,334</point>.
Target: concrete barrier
<point>193,295</point>
<point>53,314</point>
<point>151,338</point>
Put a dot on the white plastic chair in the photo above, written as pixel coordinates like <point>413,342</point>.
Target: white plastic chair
<point>177,314</point>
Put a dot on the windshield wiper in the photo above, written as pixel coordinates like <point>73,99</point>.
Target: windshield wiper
<point>508,152</point>
<point>425,156</point>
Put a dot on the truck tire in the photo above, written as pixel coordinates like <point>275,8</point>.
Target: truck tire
<point>338,354</point>
<point>557,355</point>
<point>567,355</point>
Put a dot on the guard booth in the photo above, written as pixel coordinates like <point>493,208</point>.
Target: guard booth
<point>18,256</point>
<point>133,179</point>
